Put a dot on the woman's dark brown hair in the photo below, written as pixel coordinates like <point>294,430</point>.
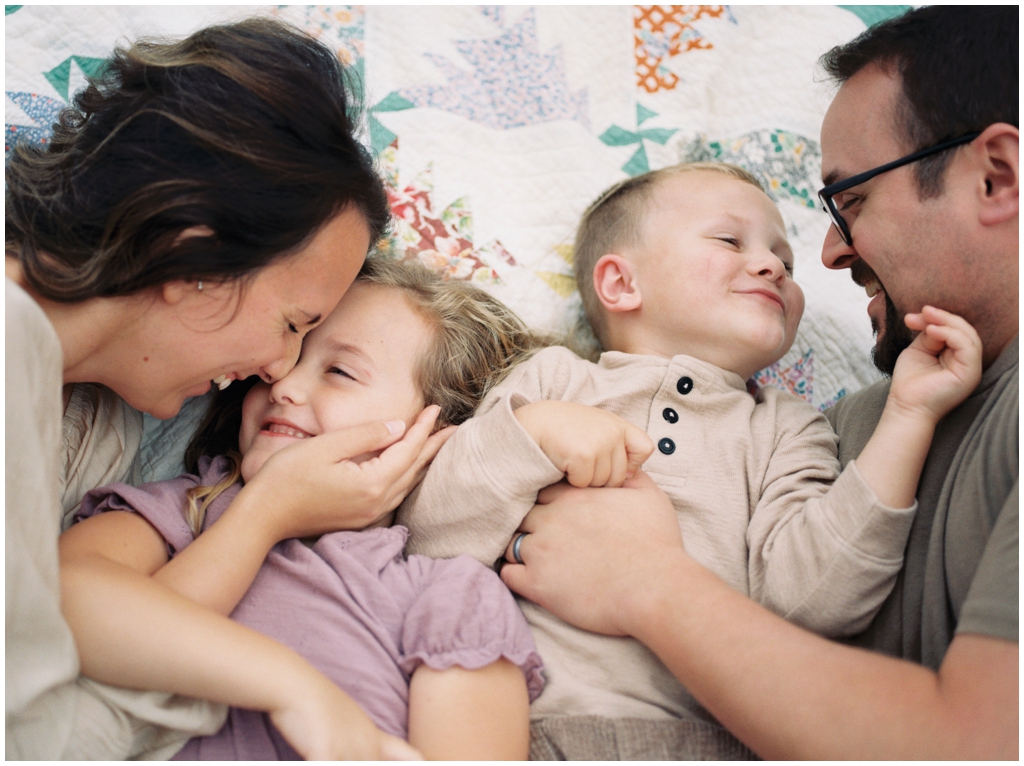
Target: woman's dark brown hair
<point>244,129</point>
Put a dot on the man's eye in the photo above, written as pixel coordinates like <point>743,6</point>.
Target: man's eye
<point>845,201</point>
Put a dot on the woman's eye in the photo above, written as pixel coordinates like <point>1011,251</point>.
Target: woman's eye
<point>293,328</point>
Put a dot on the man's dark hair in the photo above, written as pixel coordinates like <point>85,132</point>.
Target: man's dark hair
<point>959,70</point>
<point>243,129</point>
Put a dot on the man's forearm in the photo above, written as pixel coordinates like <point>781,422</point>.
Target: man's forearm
<point>790,694</point>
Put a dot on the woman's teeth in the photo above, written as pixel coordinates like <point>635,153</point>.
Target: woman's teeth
<point>222,381</point>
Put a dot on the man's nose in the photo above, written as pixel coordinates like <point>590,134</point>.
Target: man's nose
<point>835,253</point>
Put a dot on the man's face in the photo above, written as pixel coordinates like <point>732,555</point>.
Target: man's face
<point>903,247</point>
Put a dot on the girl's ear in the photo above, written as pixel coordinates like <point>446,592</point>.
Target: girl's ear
<point>615,284</point>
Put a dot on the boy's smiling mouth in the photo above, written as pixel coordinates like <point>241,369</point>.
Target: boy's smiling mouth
<point>768,294</point>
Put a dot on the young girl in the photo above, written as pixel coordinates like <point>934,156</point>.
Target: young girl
<point>435,652</point>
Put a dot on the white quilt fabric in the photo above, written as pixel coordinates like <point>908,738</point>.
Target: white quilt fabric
<point>495,127</point>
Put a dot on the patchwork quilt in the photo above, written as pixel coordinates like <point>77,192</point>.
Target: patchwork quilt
<point>495,127</point>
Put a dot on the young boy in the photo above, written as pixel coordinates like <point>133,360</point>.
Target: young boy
<point>686,278</point>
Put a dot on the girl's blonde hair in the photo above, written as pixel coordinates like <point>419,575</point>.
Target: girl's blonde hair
<point>477,340</point>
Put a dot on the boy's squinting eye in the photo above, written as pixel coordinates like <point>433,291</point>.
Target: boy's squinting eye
<point>729,240</point>
<point>845,200</point>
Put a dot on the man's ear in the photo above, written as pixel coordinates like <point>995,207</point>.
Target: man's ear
<point>615,284</point>
<point>999,145</point>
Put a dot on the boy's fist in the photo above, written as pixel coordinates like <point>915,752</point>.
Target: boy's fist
<point>593,448</point>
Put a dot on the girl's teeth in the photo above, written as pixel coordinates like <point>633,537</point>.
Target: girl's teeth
<point>222,381</point>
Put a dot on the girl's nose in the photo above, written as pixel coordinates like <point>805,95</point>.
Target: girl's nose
<point>289,389</point>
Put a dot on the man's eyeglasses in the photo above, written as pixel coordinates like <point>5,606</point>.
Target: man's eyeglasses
<point>826,194</point>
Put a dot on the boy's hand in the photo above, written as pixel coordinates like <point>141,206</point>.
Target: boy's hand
<point>940,368</point>
<point>592,447</point>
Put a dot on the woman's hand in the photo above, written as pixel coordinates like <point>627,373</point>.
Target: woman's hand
<point>590,553</point>
<point>323,485</point>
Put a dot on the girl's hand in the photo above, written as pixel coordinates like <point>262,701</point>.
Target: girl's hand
<point>323,723</point>
<point>592,447</point>
<point>940,368</point>
<point>315,486</point>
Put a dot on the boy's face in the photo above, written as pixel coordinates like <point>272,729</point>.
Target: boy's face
<point>356,367</point>
<point>715,273</point>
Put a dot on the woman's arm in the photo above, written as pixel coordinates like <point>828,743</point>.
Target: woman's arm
<point>459,714</point>
<point>131,631</point>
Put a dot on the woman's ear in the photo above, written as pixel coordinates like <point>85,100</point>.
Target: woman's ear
<point>1000,154</point>
<point>615,284</point>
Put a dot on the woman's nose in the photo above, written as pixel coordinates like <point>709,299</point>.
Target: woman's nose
<point>280,367</point>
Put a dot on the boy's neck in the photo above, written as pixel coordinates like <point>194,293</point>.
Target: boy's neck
<point>637,340</point>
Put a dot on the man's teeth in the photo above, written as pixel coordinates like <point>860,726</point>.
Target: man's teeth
<point>873,288</point>
<point>277,428</point>
<point>222,381</point>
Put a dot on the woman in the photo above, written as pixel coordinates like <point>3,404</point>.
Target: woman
<point>200,209</point>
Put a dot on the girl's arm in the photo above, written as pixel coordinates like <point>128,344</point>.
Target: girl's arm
<point>132,631</point>
<point>459,714</point>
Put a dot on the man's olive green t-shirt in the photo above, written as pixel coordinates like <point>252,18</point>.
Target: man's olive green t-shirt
<point>960,572</point>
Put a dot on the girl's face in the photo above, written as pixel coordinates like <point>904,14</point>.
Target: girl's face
<point>195,338</point>
<point>356,367</point>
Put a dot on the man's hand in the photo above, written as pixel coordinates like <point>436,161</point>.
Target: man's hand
<point>591,552</point>
<point>592,447</point>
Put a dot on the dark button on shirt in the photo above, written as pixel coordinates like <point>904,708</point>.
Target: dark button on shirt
<point>685,385</point>
<point>670,415</point>
<point>667,446</point>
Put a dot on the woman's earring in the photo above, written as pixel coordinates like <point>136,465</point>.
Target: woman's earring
<point>200,285</point>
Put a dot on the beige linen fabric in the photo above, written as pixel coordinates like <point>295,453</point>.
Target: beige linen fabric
<point>50,712</point>
<point>100,439</point>
<point>754,483</point>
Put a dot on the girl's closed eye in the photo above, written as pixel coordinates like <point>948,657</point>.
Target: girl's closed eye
<point>339,371</point>
<point>728,239</point>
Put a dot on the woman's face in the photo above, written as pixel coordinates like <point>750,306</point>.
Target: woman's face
<point>227,332</point>
<point>358,366</point>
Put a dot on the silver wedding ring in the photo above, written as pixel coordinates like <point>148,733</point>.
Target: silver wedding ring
<point>515,547</point>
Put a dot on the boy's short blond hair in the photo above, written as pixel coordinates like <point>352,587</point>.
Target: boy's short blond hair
<point>615,222</point>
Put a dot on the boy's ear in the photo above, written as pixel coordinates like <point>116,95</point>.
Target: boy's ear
<point>1000,154</point>
<point>615,284</point>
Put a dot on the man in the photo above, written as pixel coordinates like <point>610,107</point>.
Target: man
<point>939,229</point>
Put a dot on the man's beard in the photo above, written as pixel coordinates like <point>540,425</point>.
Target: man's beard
<point>891,339</point>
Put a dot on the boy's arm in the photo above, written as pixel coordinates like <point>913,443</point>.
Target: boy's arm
<point>827,560</point>
<point>133,632</point>
<point>479,487</point>
<point>459,714</point>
